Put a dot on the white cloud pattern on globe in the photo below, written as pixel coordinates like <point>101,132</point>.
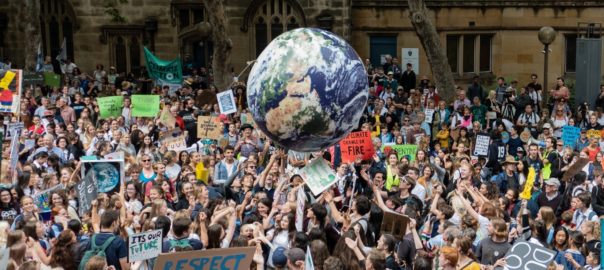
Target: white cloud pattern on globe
<point>307,89</point>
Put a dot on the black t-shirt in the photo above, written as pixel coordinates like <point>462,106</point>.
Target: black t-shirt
<point>188,118</point>
<point>8,213</point>
<point>114,252</point>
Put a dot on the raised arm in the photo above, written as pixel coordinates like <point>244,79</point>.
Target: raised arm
<point>335,213</point>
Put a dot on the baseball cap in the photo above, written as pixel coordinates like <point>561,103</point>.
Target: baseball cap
<point>547,125</point>
<point>553,182</point>
<point>390,73</point>
<point>295,255</point>
<point>279,258</point>
<point>520,149</point>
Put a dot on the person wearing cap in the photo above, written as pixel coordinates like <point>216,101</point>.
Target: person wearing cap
<point>279,260</point>
<point>508,179</point>
<point>551,197</point>
<point>295,258</point>
<point>520,153</point>
<point>546,132</point>
<point>391,81</point>
<point>247,144</point>
<point>582,142</point>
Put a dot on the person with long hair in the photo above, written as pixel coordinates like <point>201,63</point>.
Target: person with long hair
<point>133,198</point>
<point>560,242</point>
<point>573,258</point>
<point>591,231</point>
<point>147,148</point>
<point>183,158</point>
<point>448,258</point>
<point>62,252</point>
<point>495,246</point>
<point>9,209</point>
<point>27,210</point>
<point>546,214</point>
<point>467,260</point>
<point>58,198</point>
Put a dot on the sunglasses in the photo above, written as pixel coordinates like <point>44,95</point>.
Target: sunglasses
<point>146,160</point>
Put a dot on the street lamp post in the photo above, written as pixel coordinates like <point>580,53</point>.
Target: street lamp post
<point>547,35</point>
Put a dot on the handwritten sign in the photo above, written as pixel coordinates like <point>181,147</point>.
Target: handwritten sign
<point>402,150</point>
<point>145,105</point>
<point>42,199</point>
<point>395,224</point>
<point>226,102</point>
<point>166,118</point>
<point>570,135</point>
<point>429,114</point>
<point>481,148</point>
<point>176,143</point>
<point>318,175</point>
<point>246,118</point>
<point>87,192</point>
<point>144,246</point>
<point>110,106</point>
<point>224,258</point>
<point>7,79</point>
<point>209,127</point>
<point>526,255</point>
<point>593,133</point>
<point>357,144</point>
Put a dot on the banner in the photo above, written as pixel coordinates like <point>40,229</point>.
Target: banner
<point>145,105</point>
<point>224,258</point>
<point>226,102</point>
<point>166,71</point>
<point>357,144</point>
<point>51,79</point>
<point>594,133</point>
<point>110,106</point>
<point>395,224</point>
<point>33,78</point>
<point>11,84</point>
<point>106,174</point>
<point>570,135</point>
<point>318,175</point>
<point>526,255</point>
<point>42,199</point>
<point>481,148</point>
<point>209,127</point>
<point>144,246</point>
<point>166,118</point>
<point>175,143</point>
<point>402,150</point>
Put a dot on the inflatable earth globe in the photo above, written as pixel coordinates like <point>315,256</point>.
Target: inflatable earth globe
<point>307,90</point>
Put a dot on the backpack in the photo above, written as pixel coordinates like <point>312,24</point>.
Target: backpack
<point>183,244</point>
<point>95,251</point>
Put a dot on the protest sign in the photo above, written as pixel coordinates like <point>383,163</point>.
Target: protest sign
<point>402,150</point>
<point>144,246</point>
<point>395,224</point>
<point>481,148</point>
<point>42,199</point>
<point>166,118</point>
<point>106,174</point>
<point>528,187</point>
<point>357,144</point>
<point>429,114</point>
<point>226,102</point>
<point>574,169</point>
<point>166,71</point>
<point>209,127</point>
<point>145,105</point>
<point>593,133</point>
<point>308,261</point>
<point>115,156</point>
<point>246,118</point>
<point>88,158</point>
<point>87,192</point>
<point>7,79</point>
<point>10,94</point>
<point>175,143</point>
<point>173,87</point>
<point>110,106</point>
<point>301,201</point>
<point>51,79</point>
<point>33,78</point>
<point>570,135</point>
<point>318,175</point>
<point>526,255</point>
<point>224,258</point>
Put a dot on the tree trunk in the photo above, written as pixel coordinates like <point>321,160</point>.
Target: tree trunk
<point>30,17</point>
<point>221,57</point>
<point>441,71</point>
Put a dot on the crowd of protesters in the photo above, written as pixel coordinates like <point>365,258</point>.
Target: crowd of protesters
<point>241,189</point>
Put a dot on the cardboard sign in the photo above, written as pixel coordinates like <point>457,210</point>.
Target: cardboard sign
<point>145,105</point>
<point>402,150</point>
<point>106,174</point>
<point>357,144</point>
<point>570,135</point>
<point>42,199</point>
<point>166,118</point>
<point>209,127</point>
<point>481,148</point>
<point>526,255</point>
<point>144,246</point>
<point>10,93</point>
<point>246,118</point>
<point>593,133</point>
<point>33,78</point>
<point>115,155</point>
<point>429,114</point>
<point>226,102</point>
<point>318,175</point>
<point>110,106</point>
<point>224,258</point>
<point>176,143</point>
<point>395,224</point>
<point>301,201</point>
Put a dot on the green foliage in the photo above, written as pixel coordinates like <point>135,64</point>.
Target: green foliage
<point>111,9</point>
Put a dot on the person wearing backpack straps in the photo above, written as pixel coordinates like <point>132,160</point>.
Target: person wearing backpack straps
<point>181,241</point>
<point>107,243</point>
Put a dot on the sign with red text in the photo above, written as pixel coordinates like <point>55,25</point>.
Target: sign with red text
<point>357,144</point>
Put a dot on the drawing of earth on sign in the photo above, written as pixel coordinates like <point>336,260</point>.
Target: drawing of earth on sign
<point>106,175</point>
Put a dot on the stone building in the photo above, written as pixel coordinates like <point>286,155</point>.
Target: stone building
<point>486,37</point>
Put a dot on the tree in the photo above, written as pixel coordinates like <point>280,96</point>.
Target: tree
<point>29,14</point>
<point>221,57</point>
<point>441,71</point>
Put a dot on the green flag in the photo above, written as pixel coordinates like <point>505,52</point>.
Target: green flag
<point>110,106</point>
<point>145,105</point>
<point>167,71</point>
<point>51,79</point>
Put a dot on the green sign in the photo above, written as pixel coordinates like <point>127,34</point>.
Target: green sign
<point>33,78</point>
<point>145,105</point>
<point>110,106</point>
<point>402,150</point>
<point>166,71</point>
<point>51,79</point>
<point>318,175</point>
